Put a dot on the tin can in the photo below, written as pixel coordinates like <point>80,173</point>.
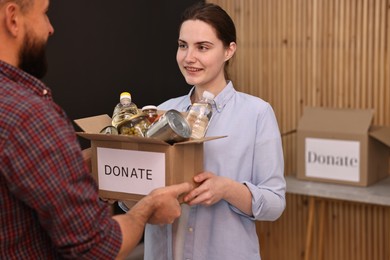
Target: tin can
<point>109,130</point>
<point>171,127</point>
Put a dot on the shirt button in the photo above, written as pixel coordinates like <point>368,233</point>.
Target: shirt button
<point>190,229</point>
<point>45,92</point>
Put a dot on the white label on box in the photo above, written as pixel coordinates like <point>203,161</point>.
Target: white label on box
<point>332,159</point>
<point>128,171</point>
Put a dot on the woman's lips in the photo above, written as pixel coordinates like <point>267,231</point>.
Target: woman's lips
<point>192,69</point>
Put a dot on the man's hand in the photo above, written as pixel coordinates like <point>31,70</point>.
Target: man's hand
<point>166,204</point>
<point>161,206</point>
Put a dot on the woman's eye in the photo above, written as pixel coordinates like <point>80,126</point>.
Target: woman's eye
<point>182,46</point>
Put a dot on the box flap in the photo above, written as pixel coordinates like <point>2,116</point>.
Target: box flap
<point>382,134</point>
<point>120,138</point>
<point>336,120</point>
<point>137,139</point>
<point>198,141</point>
<point>93,124</point>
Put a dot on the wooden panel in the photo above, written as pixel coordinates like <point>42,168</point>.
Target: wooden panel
<point>327,53</point>
<point>312,53</point>
<point>350,231</point>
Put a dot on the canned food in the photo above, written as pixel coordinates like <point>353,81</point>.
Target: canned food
<point>109,130</point>
<point>170,127</point>
<point>136,125</point>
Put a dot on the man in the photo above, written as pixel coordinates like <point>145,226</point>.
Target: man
<point>49,206</point>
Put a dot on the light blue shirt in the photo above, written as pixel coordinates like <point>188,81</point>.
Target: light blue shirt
<point>251,154</point>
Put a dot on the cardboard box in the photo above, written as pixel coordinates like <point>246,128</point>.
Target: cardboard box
<point>129,167</point>
<point>341,146</point>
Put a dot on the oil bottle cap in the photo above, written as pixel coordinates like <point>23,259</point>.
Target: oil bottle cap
<point>125,95</point>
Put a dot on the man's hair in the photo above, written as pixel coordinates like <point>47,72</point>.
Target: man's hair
<point>23,4</point>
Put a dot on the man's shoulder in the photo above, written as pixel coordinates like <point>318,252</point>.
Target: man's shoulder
<point>17,104</point>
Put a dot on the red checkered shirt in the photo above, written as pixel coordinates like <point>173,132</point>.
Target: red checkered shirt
<point>49,205</point>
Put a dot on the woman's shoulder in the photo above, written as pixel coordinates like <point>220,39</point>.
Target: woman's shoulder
<point>173,103</point>
<point>249,100</point>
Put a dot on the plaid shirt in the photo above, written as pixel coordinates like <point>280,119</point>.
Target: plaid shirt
<point>49,205</point>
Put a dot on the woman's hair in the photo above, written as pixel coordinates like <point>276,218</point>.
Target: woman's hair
<point>216,17</point>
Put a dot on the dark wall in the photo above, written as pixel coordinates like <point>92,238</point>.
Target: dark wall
<point>101,48</point>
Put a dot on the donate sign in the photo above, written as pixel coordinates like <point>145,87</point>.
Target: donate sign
<point>130,171</point>
<point>332,159</point>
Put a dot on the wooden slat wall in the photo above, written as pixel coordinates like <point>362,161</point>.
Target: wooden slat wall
<point>327,53</point>
<point>351,231</point>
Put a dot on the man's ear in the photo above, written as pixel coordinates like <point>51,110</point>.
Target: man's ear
<point>12,17</point>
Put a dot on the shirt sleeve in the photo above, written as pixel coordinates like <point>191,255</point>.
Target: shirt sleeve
<point>268,186</point>
<point>48,174</point>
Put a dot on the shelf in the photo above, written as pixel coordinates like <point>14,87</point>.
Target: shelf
<point>377,193</point>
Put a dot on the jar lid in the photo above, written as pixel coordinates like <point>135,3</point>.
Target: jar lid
<point>149,107</point>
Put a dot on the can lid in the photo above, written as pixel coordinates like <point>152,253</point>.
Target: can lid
<point>178,123</point>
<point>112,130</point>
<point>149,107</point>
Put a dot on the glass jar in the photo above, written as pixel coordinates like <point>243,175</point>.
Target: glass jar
<point>135,126</point>
<point>151,112</point>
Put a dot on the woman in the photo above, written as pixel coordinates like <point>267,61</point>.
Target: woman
<point>243,179</point>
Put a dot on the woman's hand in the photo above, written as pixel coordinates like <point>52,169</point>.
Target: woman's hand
<point>212,189</point>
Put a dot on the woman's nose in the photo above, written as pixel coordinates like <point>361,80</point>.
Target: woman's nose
<point>190,55</point>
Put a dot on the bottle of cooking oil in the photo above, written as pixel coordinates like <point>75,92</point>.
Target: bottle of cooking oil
<point>199,115</point>
<point>124,110</point>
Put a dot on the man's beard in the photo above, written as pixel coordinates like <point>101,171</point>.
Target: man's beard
<point>32,57</point>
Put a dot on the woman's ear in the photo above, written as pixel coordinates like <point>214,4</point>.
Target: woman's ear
<point>230,51</point>
<point>12,18</point>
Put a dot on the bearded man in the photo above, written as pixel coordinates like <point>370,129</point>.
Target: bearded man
<point>49,204</point>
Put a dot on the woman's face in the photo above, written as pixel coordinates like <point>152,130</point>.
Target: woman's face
<point>201,55</point>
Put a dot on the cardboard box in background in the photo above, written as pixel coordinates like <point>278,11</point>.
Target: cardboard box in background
<point>129,167</point>
<point>341,146</point>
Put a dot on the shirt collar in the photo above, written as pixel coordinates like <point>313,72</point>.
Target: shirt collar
<point>224,96</point>
<point>24,79</point>
<point>220,100</point>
